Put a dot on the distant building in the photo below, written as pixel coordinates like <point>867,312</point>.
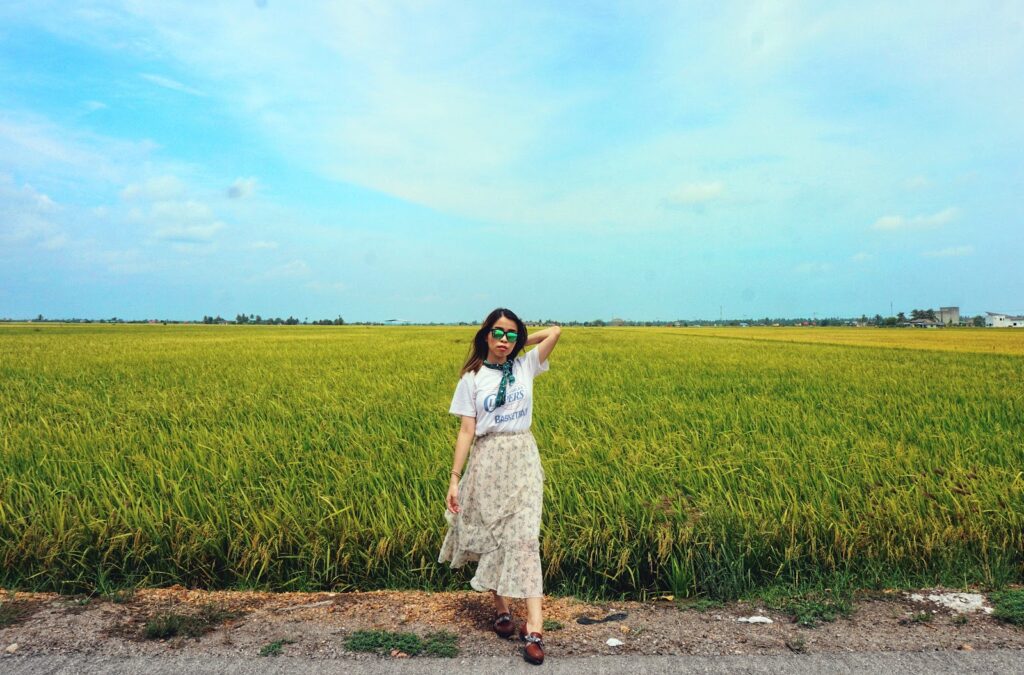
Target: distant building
<point>924,323</point>
<point>997,320</point>
<point>948,315</point>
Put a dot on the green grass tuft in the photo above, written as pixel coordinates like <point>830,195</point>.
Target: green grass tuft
<point>383,641</point>
<point>170,624</point>
<point>274,648</point>
<point>815,607</point>
<point>441,643</point>
<point>1008,606</point>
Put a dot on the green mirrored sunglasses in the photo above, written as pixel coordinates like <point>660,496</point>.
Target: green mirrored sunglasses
<point>498,333</point>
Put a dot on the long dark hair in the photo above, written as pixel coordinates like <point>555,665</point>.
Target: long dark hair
<point>478,350</point>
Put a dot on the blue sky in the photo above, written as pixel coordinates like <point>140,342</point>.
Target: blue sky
<point>430,161</point>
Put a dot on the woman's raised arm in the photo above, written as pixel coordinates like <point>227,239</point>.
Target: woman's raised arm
<point>546,340</point>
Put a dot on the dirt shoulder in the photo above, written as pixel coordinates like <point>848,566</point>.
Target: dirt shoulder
<point>316,625</point>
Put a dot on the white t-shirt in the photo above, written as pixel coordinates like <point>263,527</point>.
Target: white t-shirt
<point>475,394</point>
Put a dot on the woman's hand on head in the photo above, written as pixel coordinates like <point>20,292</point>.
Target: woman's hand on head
<point>453,496</point>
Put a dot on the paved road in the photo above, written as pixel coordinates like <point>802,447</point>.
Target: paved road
<point>890,663</point>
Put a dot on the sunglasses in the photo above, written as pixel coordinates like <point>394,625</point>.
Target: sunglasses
<point>498,333</point>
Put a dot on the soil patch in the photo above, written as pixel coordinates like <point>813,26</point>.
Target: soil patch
<point>316,625</point>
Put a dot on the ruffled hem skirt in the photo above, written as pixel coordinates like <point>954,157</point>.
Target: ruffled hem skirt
<point>500,499</point>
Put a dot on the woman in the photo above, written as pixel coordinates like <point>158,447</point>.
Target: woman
<point>494,511</point>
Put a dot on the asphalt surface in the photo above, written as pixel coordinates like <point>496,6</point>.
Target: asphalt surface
<point>889,663</point>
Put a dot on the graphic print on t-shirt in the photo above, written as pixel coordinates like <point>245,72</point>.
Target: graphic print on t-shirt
<point>515,393</point>
<point>477,391</point>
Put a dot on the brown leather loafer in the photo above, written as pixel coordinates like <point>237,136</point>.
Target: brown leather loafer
<point>534,650</point>
<point>504,626</point>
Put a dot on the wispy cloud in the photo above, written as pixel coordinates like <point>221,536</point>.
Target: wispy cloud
<point>698,193</point>
<point>938,219</point>
<point>861,257</point>
<point>242,188</point>
<point>290,270</point>
<point>813,268</point>
<point>949,252</point>
<point>158,188</point>
<point>27,216</point>
<point>168,83</point>
<point>327,286</point>
<point>187,221</point>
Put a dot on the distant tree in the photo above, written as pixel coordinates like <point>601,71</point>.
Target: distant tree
<point>930,314</point>
<point>339,321</point>
<point>878,319</point>
<point>901,318</point>
<point>597,322</point>
<point>978,321</point>
<point>241,318</point>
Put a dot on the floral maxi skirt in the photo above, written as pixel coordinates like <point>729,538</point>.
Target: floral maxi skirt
<point>500,498</point>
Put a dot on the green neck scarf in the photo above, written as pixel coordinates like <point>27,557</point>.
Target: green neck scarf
<point>507,378</point>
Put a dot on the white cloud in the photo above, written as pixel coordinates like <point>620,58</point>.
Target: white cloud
<point>189,234</point>
<point>813,268</point>
<point>29,143</point>
<point>158,188</point>
<point>186,221</point>
<point>189,211</point>
<point>27,216</point>
<point>242,188</point>
<point>168,83</point>
<point>327,286</point>
<point>938,219</point>
<point>54,242</point>
<point>289,270</point>
<point>949,252</point>
<point>698,193</point>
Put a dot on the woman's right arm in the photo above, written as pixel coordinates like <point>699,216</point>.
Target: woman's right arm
<point>462,444</point>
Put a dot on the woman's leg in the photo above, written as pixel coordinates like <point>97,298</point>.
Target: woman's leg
<point>500,606</point>
<point>534,616</point>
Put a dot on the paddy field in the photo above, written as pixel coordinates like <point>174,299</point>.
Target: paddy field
<point>707,462</point>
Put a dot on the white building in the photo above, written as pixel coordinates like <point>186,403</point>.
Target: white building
<point>996,320</point>
<point>948,316</point>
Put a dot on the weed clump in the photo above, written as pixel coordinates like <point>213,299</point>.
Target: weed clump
<point>441,643</point>
<point>274,648</point>
<point>170,624</point>
<point>1008,606</point>
<point>811,609</point>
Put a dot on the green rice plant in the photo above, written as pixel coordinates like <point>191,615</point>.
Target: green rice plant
<point>697,462</point>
